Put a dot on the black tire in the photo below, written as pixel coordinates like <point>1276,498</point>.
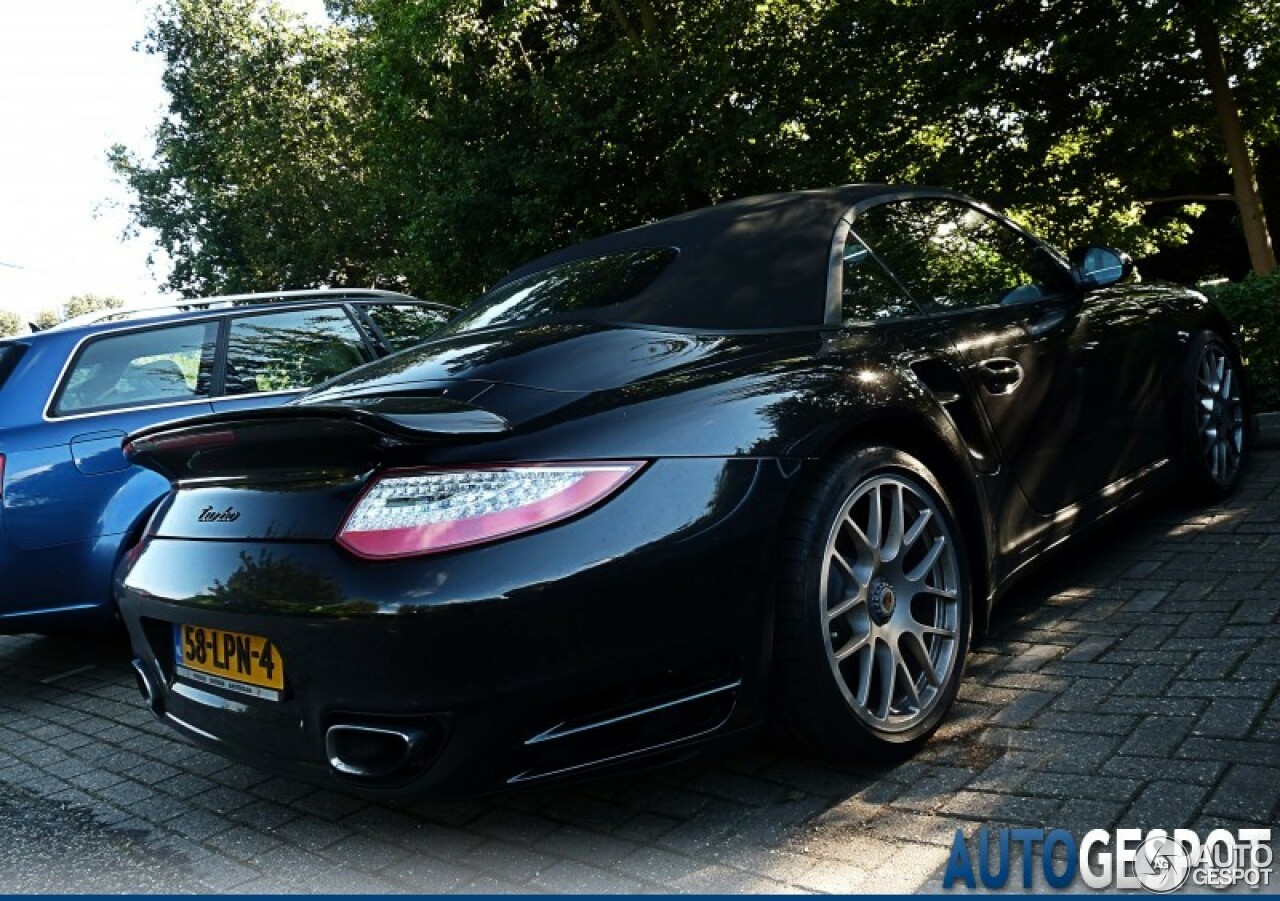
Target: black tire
<point>815,707</point>
<point>1213,467</point>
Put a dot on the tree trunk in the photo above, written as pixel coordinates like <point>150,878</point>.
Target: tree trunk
<point>1261,254</point>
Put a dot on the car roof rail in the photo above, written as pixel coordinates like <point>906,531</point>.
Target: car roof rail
<point>220,301</point>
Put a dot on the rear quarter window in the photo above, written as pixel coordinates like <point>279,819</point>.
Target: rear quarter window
<point>139,368</point>
<point>405,324</point>
<point>9,356</point>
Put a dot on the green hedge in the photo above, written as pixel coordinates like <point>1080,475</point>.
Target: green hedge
<point>1254,306</point>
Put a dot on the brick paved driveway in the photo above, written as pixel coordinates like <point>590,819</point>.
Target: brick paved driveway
<point>1136,682</point>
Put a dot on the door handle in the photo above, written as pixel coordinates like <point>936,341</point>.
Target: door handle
<point>1000,375</point>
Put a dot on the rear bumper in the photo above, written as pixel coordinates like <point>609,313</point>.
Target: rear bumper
<point>638,631</point>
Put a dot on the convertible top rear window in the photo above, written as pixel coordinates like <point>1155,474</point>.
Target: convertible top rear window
<point>591,284</point>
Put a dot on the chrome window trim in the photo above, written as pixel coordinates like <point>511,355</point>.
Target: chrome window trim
<point>224,303</point>
<point>47,413</point>
<point>209,401</point>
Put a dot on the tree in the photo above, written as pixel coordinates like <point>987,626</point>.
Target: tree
<point>434,144</point>
<point>80,304</point>
<point>258,178</point>
<point>11,324</point>
<point>1254,221</point>
<point>46,319</point>
<point>76,305</point>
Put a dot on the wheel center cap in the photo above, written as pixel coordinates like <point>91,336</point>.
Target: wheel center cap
<point>881,601</point>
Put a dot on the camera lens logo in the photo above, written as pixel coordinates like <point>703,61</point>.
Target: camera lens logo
<point>1162,865</point>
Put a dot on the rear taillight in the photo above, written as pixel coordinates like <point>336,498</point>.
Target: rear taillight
<point>406,513</point>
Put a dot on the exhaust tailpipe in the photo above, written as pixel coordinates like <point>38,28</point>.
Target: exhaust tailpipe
<point>373,752</point>
<point>147,687</point>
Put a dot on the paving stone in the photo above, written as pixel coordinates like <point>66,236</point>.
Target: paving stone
<point>1078,816</point>
<point>1087,723</point>
<point>198,824</point>
<point>1227,718</point>
<point>511,862</point>
<point>425,875</point>
<point>1022,709</point>
<point>488,885</point>
<point>1250,752</point>
<point>1147,681</point>
<point>510,826</point>
<point>1249,793</point>
<point>1076,787</point>
<point>1150,769</point>
<point>1165,805</point>
<point>570,877</point>
<point>591,847</point>
<point>245,845</point>
<point>990,806</point>
<point>363,852</point>
<point>221,873</point>
<point>1157,735</point>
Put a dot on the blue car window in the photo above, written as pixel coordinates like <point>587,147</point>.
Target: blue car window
<point>291,351</point>
<point>139,368</point>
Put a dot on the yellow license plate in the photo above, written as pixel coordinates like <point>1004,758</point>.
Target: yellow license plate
<point>246,664</point>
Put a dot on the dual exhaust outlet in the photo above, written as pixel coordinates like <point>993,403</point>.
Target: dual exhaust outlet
<point>365,751</point>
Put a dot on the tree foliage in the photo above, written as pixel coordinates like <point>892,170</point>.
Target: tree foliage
<point>46,318</point>
<point>433,144</point>
<point>80,304</point>
<point>11,324</point>
<point>76,305</point>
<point>258,178</point>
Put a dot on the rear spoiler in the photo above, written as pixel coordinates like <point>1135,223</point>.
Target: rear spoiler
<point>348,432</point>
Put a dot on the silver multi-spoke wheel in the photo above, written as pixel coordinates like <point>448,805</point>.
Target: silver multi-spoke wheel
<point>1220,420</point>
<point>890,588</point>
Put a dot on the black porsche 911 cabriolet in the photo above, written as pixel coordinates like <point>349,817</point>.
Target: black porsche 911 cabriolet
<point>770,460</point>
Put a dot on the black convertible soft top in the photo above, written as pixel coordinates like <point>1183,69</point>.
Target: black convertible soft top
<point>755,263</point>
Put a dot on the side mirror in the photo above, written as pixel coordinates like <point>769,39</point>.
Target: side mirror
<point>1098,267</point>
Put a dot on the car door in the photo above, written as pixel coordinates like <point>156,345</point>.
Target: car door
<point>1033,353</point>
<point>67,479</point>
<point>917,341</point>
<point>271,357</point>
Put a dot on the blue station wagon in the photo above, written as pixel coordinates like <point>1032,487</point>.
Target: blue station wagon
<point>69,500</point>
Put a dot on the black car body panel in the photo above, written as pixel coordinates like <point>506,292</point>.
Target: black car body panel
<point>640,629</point>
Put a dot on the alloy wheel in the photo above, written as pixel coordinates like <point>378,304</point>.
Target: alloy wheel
<point>1219,414</point>
<point>891,593</point>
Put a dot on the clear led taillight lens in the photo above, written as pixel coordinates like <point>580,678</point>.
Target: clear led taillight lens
<point>408,513</point>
